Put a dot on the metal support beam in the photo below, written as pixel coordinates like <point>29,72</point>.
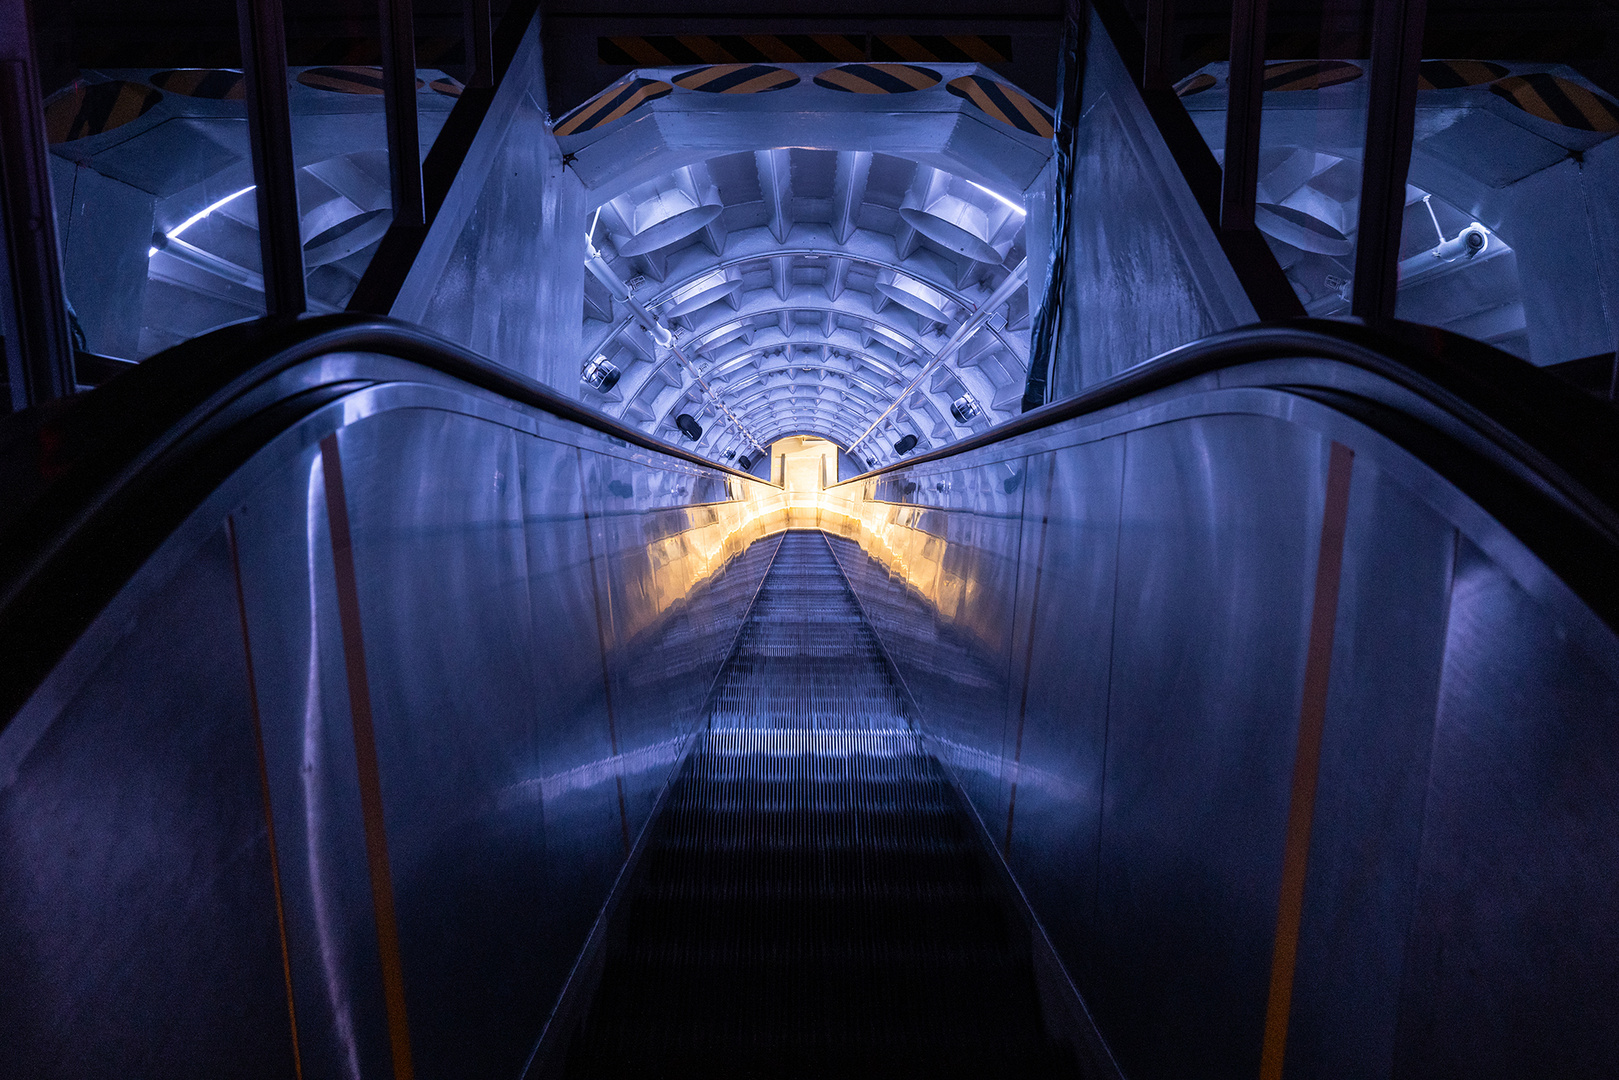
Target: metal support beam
<point>398,21</point>
<point>38,341</point>
<point>1018,278</point>
<point>477,22</point>
<point>1397,32</point>
<point>1158,63</point>
<point>275,173</point>
<point>1245,104</point>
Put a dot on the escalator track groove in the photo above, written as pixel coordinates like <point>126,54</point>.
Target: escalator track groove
<point>813,900</point>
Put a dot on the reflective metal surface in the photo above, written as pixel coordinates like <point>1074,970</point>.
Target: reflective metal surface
<point>1145,272</point>
<point>1128,731</point>
<point>1102,625</point>
<point>543,610</point>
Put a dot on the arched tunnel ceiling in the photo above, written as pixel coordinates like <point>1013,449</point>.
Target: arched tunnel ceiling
<point>812,287</point>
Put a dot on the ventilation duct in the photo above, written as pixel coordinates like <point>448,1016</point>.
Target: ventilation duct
<point>668,210</point>
<point>955,224</point>
<point>700,293</point>
<point>911,294</point>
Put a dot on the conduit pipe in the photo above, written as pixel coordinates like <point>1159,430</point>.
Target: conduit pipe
<point>662,335</point>
<point>973,323</point>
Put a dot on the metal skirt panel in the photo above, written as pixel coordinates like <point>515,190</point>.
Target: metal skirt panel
<point>1138,764</point>
<point>543,610</point>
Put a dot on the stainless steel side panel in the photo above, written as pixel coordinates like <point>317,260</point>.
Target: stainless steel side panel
<point>136,858</point>
<point>542,612</point>
<point>1458,912</point>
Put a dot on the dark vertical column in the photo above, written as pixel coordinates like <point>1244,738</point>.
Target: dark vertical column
<point>1245,102</point>
<point>398,23</point>
<point>1158,64</point>
<point>1397,30</point>
<point>269,125</point>
<point>38,343</point>
<point>1268,288</point>
<point>1043,338</point>
<point>479,43</point>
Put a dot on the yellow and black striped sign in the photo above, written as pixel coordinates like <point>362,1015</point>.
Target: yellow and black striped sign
<point>736,79</point>
<point>877,78</point>
<point>1559,101</point>
<point>665,49</point>
<point>214,84</point>
<point>1308,74</point>
<point>660,50</point>
<point>1455,74</point>
<point>1195,85</point>
<point>347,79</point>
<point>618,100</point>
<point>939,49</point>
<point>1003,103</point>
<point>90,109</point>
<point>447,86</point>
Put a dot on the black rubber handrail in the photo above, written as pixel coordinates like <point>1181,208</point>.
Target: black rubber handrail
<point>91,485</point>
<point>1538,454</point>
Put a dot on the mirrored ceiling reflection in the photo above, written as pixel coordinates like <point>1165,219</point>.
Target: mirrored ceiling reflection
<point>855,295</point>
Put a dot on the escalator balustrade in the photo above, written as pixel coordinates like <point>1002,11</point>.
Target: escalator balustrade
<point>814,899</point>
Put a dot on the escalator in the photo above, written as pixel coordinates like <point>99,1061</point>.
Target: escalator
<point>397,716</point>
<point>813,899</point>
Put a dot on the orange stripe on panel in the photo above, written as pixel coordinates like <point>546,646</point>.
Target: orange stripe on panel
<point>1030,112</point>
<point>906,47</point>
<point>264,794</point>
<point>977,48</point>
<point>918,78</point>
<point>1307,760</point>
<point>773,48</point>
<point>624,108</point>
<point>977,95</point>
<point>696,80</point>
<point>759,83</point>
<point>708,49</point>
<point>842,78</point>
<point>365,754</point>
<point>839,47</point>
<point>641,51</point>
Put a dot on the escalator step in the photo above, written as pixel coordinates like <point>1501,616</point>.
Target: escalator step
<point>811,900</point>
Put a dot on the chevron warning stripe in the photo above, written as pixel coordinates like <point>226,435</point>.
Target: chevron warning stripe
<point>1455,74</point>
<point>214,84</point>
<point>939,49</point>
<point>877,78</point>
<point>618,100</point>
<point>1003,103</point>
<point>1308,74</point>
<point>666,49</point>
<point>1559,101</point>
<point>660,50</point>
<point>1196,84</point>
<point>736,79</point>
<point>347,79</point>
<point>94,108</point>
